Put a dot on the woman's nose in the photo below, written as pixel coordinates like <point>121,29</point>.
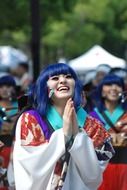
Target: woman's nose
<point>62,79</point>
<point>114,86</point>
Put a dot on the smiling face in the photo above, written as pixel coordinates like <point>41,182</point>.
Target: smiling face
<point>6,91</point>
<point>62,86</point>
<point>111,92</point>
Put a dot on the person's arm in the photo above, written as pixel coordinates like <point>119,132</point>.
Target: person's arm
<point>34,162</point>
<point>85,156</point>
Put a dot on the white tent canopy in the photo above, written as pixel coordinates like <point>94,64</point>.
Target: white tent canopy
<point>94,57</point>
<point>10,56</point>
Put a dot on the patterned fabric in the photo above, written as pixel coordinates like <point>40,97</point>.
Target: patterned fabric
<point>114,116</point>
<point>97,132</point>
<point>115,175</point>
<point>119,138</point>
<point>45,168</point>
<point>32,134</point>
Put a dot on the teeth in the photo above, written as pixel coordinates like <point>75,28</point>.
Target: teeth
<point>63,88</point>
<point>114,94</point>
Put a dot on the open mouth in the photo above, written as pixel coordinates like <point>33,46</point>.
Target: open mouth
<point>63,88</point>
<point>114,94</point>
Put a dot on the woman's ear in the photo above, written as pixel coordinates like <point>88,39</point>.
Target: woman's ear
<point>103,95</point>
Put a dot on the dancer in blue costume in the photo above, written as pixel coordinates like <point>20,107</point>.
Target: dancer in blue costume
<point>111,110</point>
<point>57,145</point>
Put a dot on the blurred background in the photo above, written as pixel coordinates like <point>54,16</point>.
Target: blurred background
<point>46,31</point>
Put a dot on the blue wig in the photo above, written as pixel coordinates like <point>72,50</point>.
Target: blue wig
<point>39,92</point>
<point>7,80</point>
<point>109,80</point>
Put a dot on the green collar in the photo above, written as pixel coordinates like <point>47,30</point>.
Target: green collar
<point>114,117</point>
<point>56,120</point>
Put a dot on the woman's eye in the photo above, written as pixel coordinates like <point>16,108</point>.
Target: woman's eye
<point>55,78</point>
<point>68,76</point>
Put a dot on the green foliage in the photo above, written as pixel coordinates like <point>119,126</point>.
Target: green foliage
<point>59,29</point>
<point>68,28</point>
<point>13,14</point>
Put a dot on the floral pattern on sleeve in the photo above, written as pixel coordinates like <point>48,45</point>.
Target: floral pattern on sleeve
<point>31,132</point>
<point>95,130</point>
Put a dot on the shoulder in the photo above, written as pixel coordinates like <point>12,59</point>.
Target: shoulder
<point>95,129</point>
<point>92,120</point>
<point>92,124</point>
<point>31,131</point>
<point>124,116</point>
<point>29,117</point>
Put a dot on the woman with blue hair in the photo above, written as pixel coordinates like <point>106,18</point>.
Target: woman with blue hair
<point>57,145</point>
<point>111,109</point>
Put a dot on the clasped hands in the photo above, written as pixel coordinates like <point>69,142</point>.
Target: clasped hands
<point>121,126</point>
<point>70,125</point>
<point>120,138</point>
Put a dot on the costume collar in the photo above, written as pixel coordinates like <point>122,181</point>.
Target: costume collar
<point>56,120</point>
<point>114,116</point>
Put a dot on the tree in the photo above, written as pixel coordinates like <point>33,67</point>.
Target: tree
<point>68,28</point>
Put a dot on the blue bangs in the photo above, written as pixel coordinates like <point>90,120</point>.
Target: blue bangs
<point>112,79</point>
<point>109,80</point>
<point>60,68</point>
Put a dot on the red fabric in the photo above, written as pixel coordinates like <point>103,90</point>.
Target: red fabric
<point>96,131</point>
<point>58,168</point>
<point>30,126</point>
<point>115,177</point>
<point>5,153</point>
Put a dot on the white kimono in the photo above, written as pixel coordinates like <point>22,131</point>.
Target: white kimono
<point>34,165</point>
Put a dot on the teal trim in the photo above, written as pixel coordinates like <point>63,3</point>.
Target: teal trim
<point>56,120</point>
<point>81,117</point>
<point>12,111</point>
<point>114,116</point>
<point>106,126</point>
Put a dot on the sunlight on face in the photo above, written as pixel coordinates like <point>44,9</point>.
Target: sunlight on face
<point>111,92</point>
<point>6,91</point>
<point>62,85</point>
